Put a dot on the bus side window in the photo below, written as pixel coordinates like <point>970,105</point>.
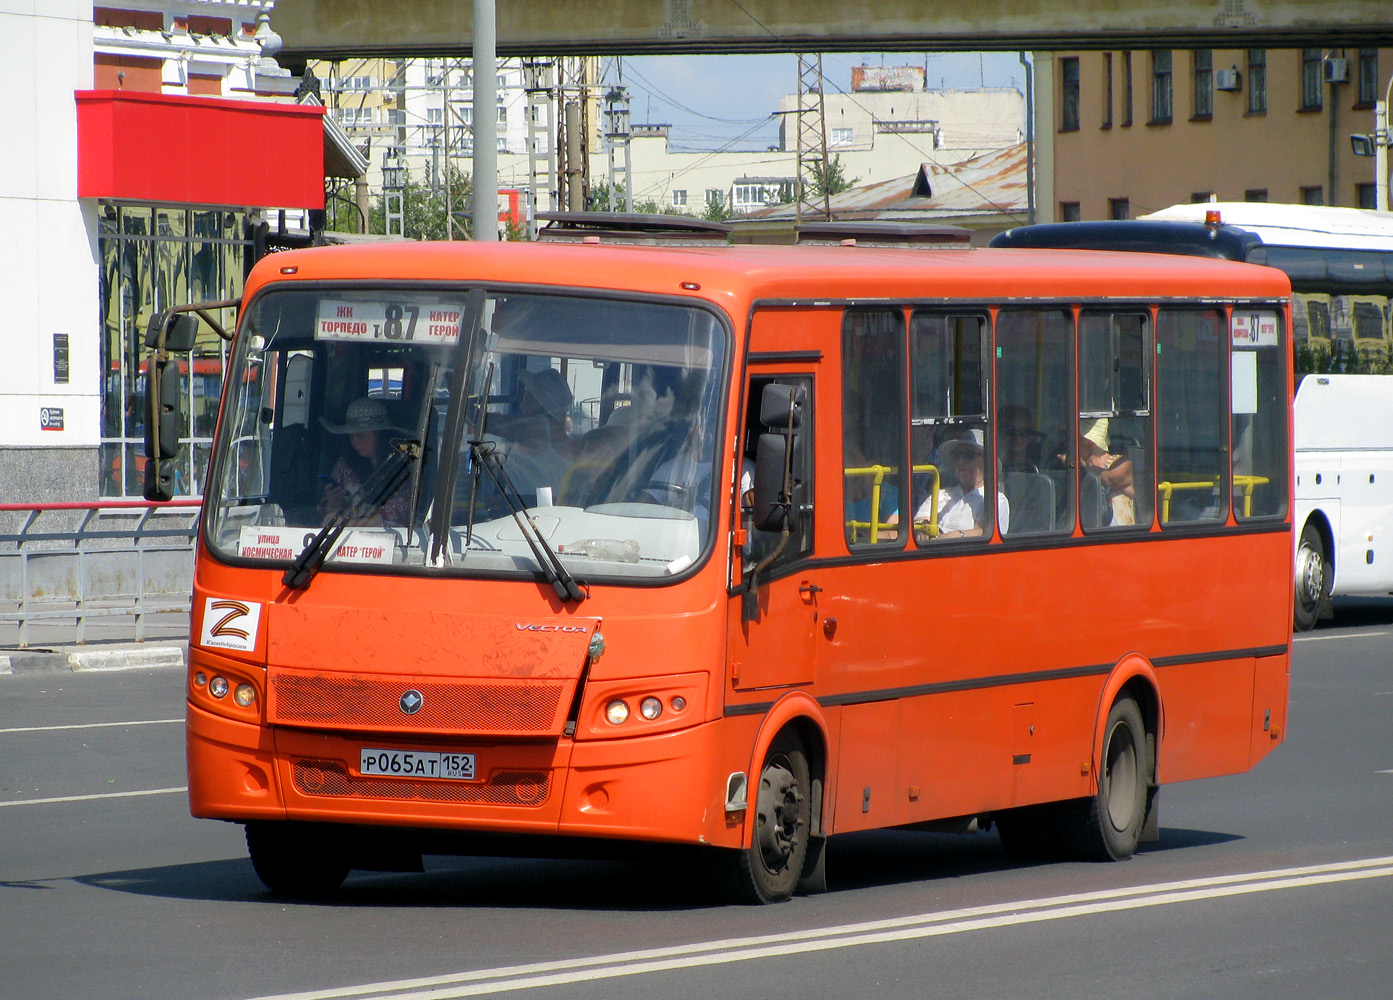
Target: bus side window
<point>1035,425</point>
<point>875,498</point>
<point>1191,470</point>
<point>1258,401</point>
<point>1114,438</point>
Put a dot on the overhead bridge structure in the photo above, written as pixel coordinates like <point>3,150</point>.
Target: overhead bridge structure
<point>332,29</point>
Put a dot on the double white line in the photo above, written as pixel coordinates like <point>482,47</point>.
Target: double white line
<point>635,963</point>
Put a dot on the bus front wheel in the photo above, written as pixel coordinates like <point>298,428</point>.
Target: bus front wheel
<point>1312,577</point>
<point>1108,825</point>
<point>767,870</point>
<point>291,860</point>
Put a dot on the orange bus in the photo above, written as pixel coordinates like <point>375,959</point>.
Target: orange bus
<point>739,547</point>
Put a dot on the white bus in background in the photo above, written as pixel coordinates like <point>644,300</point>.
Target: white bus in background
<point>1344,491</point>
<point>1340,261</point>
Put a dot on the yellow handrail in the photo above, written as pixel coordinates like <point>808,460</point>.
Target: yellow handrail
<point>875,525</point>
<point>1245,483</point>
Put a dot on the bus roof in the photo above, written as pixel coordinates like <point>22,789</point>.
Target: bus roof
<point>755,272</point>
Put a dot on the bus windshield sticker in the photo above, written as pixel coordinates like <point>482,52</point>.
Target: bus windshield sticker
<point>1245,382</point>
<point>356,545</point>
<point>391,322</point>
<point>1253,329</point>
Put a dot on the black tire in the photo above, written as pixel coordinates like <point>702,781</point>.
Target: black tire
<point>767,870</point>
<point>1107,826</point>
<point>296,860</point>
<point>1312,578</point>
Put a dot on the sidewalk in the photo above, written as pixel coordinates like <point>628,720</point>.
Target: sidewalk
<point>110,645</point>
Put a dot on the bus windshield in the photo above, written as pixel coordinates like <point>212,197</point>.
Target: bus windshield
<point>427,433</point>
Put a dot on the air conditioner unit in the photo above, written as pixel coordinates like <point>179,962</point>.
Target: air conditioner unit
<point>1227,79</point>
<point>1337,71</point>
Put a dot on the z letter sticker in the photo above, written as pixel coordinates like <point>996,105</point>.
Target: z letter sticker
<point>230,624</point>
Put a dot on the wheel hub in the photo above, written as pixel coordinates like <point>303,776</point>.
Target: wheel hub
<point>1310,575</point>
<point>777,815</point>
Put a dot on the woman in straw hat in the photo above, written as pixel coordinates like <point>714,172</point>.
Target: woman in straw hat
<point>366,429</point>
<point>1114,471</point>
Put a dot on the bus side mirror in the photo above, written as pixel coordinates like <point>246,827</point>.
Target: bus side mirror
<point>179,330</point>
<point>771,507</point>
<point>781,406</point>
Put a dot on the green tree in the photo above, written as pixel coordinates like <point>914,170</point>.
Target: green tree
<point>830,177</point>
<point>715,210</point>
<point>423,209</point>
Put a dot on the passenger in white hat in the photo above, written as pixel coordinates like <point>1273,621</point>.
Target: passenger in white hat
<point>962,508</point>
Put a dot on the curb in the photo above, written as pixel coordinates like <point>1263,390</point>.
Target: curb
<point>72,660</point>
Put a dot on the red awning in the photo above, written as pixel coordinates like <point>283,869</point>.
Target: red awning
<point>199,150</point>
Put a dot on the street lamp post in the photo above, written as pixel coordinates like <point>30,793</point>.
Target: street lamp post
<point>1376,145</point>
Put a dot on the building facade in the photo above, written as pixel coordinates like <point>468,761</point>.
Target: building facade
<point>1127,133</point>
<point>159,148</point>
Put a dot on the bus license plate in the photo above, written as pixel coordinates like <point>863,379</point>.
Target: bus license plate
<point>417,764</point>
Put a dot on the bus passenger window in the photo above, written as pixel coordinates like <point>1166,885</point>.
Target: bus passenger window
<point>873,426</point>
<point>1035,432</point>
<point>1259,412</point>
<point>1191,469</point>
<point>1114,430</point>
<point>946,355</point>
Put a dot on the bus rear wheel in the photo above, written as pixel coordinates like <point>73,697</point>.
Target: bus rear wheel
<point>768,869</point>
<point>291,859</point>
<point>1107,825</point>
<point>1312,578</point>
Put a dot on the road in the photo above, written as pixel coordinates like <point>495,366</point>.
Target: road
<point>1273,884</point>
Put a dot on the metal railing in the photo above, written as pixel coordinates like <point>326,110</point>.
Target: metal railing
<point>108,563</point>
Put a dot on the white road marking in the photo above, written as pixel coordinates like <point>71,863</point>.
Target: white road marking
<point>1341,635</point>
<point>93,725</point>
<point>100,795</point>
<point>599,967</point>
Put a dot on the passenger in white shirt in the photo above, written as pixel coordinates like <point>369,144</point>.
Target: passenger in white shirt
<point>962,508</point>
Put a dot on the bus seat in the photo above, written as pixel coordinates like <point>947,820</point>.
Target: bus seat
<point>1031,496</point>
<point>295,473</point>
<point>1095,506</point>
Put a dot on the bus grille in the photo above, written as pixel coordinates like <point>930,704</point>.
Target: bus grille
<point>503,788</point>
<point>495,708</point>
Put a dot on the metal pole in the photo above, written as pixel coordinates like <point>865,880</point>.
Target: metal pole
<point>1381,154</point>
<point>484,207</point>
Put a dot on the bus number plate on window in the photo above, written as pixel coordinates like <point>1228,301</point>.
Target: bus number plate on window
<point>416,764</point>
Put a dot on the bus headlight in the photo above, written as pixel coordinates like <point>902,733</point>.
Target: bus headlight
<point>650,708</point>
<point>217,687</point>
<point>616,713</point>
<point>244,695</point>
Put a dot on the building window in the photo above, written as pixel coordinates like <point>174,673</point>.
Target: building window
<point>1107,90</point>
<point>356,117</point>
<point>1368,78</point>
<point>1119,208</point>
<point>842,136</point>
<point>1200,197</point>
<point>502,115</point>
<point>435,116</point>
<point>1257,81</point>
<point>1204,83</point>
<point>1312,66</point>
<point>1366,196</point>
<point>679,198</point>
<point>1126,88</point>
<point>1255,194</point>
<point>1069,92</point>
<point>715,198</point>
<point>1314,195</point>
<point>1069,211</point>
<point>1160,87</point>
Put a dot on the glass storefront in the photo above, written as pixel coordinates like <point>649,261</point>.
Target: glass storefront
<point>152,258</point>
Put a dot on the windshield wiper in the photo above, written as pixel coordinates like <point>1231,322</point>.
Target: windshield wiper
<point>385,480</point>
<point>483,455</point>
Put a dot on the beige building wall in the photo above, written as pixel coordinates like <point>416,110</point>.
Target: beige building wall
<point>1285,152</point>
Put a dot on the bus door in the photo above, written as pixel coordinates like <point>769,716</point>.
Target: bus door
<point>774,623</point>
